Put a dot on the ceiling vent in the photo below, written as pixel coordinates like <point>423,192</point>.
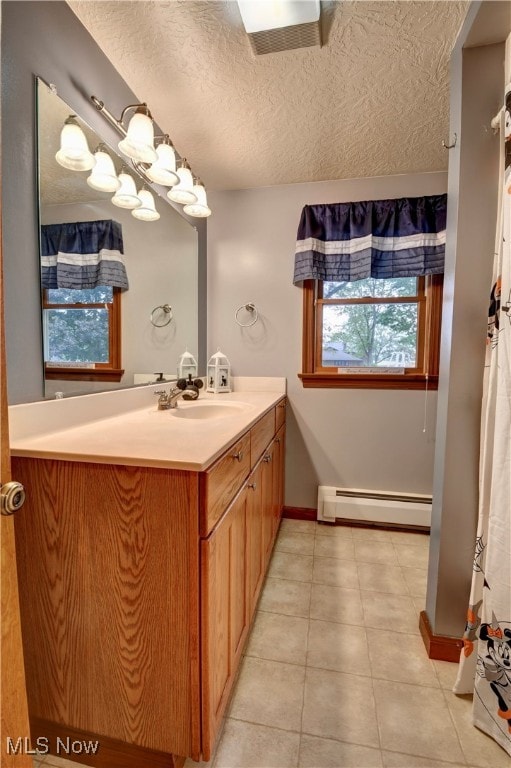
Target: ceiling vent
<point>281,25</point>
<point>286,38</point>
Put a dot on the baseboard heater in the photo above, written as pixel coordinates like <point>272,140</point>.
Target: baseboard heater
<point>376,507</point>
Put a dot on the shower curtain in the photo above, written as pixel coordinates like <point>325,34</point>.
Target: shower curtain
<point>485,665</point>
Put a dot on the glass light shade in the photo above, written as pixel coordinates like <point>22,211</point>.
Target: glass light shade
<point>183,192</point>
<point>126,196</point>
<point>74,152</point>
<point>139,141</point>
<point>103,176</point>
<point>147,211</point>
<point>199,209</point>
<point>163,171</point>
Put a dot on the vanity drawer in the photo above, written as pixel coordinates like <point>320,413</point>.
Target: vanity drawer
<point>220,484</point>
<point>280,414</point>
<point>261,435</point>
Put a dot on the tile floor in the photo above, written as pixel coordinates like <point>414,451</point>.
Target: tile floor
<point>335,674</point>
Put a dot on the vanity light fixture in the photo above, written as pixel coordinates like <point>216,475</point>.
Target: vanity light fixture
<point>147,210</point>
<point>155,165</point>
<point>103,176</point>
<point>163,171</point>
<point>74,152</point>
<point>199,209</point>
<point>126,196</point>
<point>183,192</point>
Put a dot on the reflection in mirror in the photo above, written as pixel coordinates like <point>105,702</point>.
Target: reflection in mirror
<point>99,337</point>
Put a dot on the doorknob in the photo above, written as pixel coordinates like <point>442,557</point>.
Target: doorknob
<point>12,497</point>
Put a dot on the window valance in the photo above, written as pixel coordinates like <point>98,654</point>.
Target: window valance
<point>404,237</point>
<point>83,254</point>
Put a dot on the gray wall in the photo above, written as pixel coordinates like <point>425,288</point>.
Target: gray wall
<point>46,39</point>
<point>350,438</point>
<point>477,87</point>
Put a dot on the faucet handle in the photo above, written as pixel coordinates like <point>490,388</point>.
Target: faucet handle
<point>159,392</point>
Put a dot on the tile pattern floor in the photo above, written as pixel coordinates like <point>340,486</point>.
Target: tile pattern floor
<point>335,674</point>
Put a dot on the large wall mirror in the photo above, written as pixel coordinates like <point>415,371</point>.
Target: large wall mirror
<point>161,262</point>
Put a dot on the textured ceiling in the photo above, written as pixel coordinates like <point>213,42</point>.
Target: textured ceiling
<point>372,101</point>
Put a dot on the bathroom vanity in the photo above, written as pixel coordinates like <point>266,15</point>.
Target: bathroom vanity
<point>139,575</point>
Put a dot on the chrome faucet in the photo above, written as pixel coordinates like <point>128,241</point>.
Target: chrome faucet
<point>188,390</point>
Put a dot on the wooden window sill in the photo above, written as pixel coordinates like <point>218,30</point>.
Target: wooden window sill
<point>368,381</point>
<point>84,374</point>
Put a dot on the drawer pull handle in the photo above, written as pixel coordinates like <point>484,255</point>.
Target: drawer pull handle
<point>267,458</point>
<point>277,439</point>
<point>252,485</point>
<point>281,405</point>
<point>238,456</point>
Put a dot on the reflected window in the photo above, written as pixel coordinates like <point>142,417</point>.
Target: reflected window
<point>82,332</point>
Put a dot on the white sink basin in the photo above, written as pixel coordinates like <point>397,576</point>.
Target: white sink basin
<point>204,410</point>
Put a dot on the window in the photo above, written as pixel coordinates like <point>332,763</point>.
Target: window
<point>382,334</point>
<point>82,334</point>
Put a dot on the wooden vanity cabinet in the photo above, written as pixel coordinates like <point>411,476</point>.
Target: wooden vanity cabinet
<point>234,560</point>
<point>137,589</point>
<point>225,613</point>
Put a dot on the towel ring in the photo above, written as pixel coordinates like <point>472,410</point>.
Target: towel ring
<point>250,307</point>
<point>167,315</point>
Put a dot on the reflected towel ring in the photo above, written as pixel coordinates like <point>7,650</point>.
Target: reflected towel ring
<point>166,317</point>
<point>252,309</point>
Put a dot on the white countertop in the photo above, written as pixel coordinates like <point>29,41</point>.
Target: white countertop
<point>125,427</point>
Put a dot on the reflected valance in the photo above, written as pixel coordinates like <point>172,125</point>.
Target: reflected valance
<point>404,237</point>
<point>83,254</point>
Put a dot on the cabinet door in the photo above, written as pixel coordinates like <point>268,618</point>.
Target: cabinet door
<point>279,445</point>
<point>224,613</point>
<point>255,560</point>
<point>267,502</point>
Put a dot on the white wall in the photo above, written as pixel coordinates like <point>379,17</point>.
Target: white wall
<point>161,263</point>
<point>353,438</point>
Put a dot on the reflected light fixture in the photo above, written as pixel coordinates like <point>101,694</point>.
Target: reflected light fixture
<point>103,176</point>
<point>147,210</point>
<point>126,196</point>
<point>163,171</point>
<point>199,209</point>
<point>74,152</point>
<point>183,192</point>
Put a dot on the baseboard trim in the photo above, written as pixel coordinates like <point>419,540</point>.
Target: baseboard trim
<point>440,647</point>
<point>111,753</point>
<point>299,513</point>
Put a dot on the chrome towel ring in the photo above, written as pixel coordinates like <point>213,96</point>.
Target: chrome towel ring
<point>161,316</point>
<point>251,309</point>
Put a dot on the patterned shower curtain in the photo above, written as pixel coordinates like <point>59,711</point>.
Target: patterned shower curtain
<point>485,666</point>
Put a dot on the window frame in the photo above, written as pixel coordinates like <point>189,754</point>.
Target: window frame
<point>110,371</point>
<point>424,375</point>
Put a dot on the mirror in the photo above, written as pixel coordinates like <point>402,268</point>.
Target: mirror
<point>160,257</point>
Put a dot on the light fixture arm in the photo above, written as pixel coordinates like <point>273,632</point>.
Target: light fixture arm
<point>118,123</point>
<point>100,106</point>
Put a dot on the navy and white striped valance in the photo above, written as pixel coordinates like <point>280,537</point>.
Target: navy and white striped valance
<point>83,254</point>
<point>376,238</point>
